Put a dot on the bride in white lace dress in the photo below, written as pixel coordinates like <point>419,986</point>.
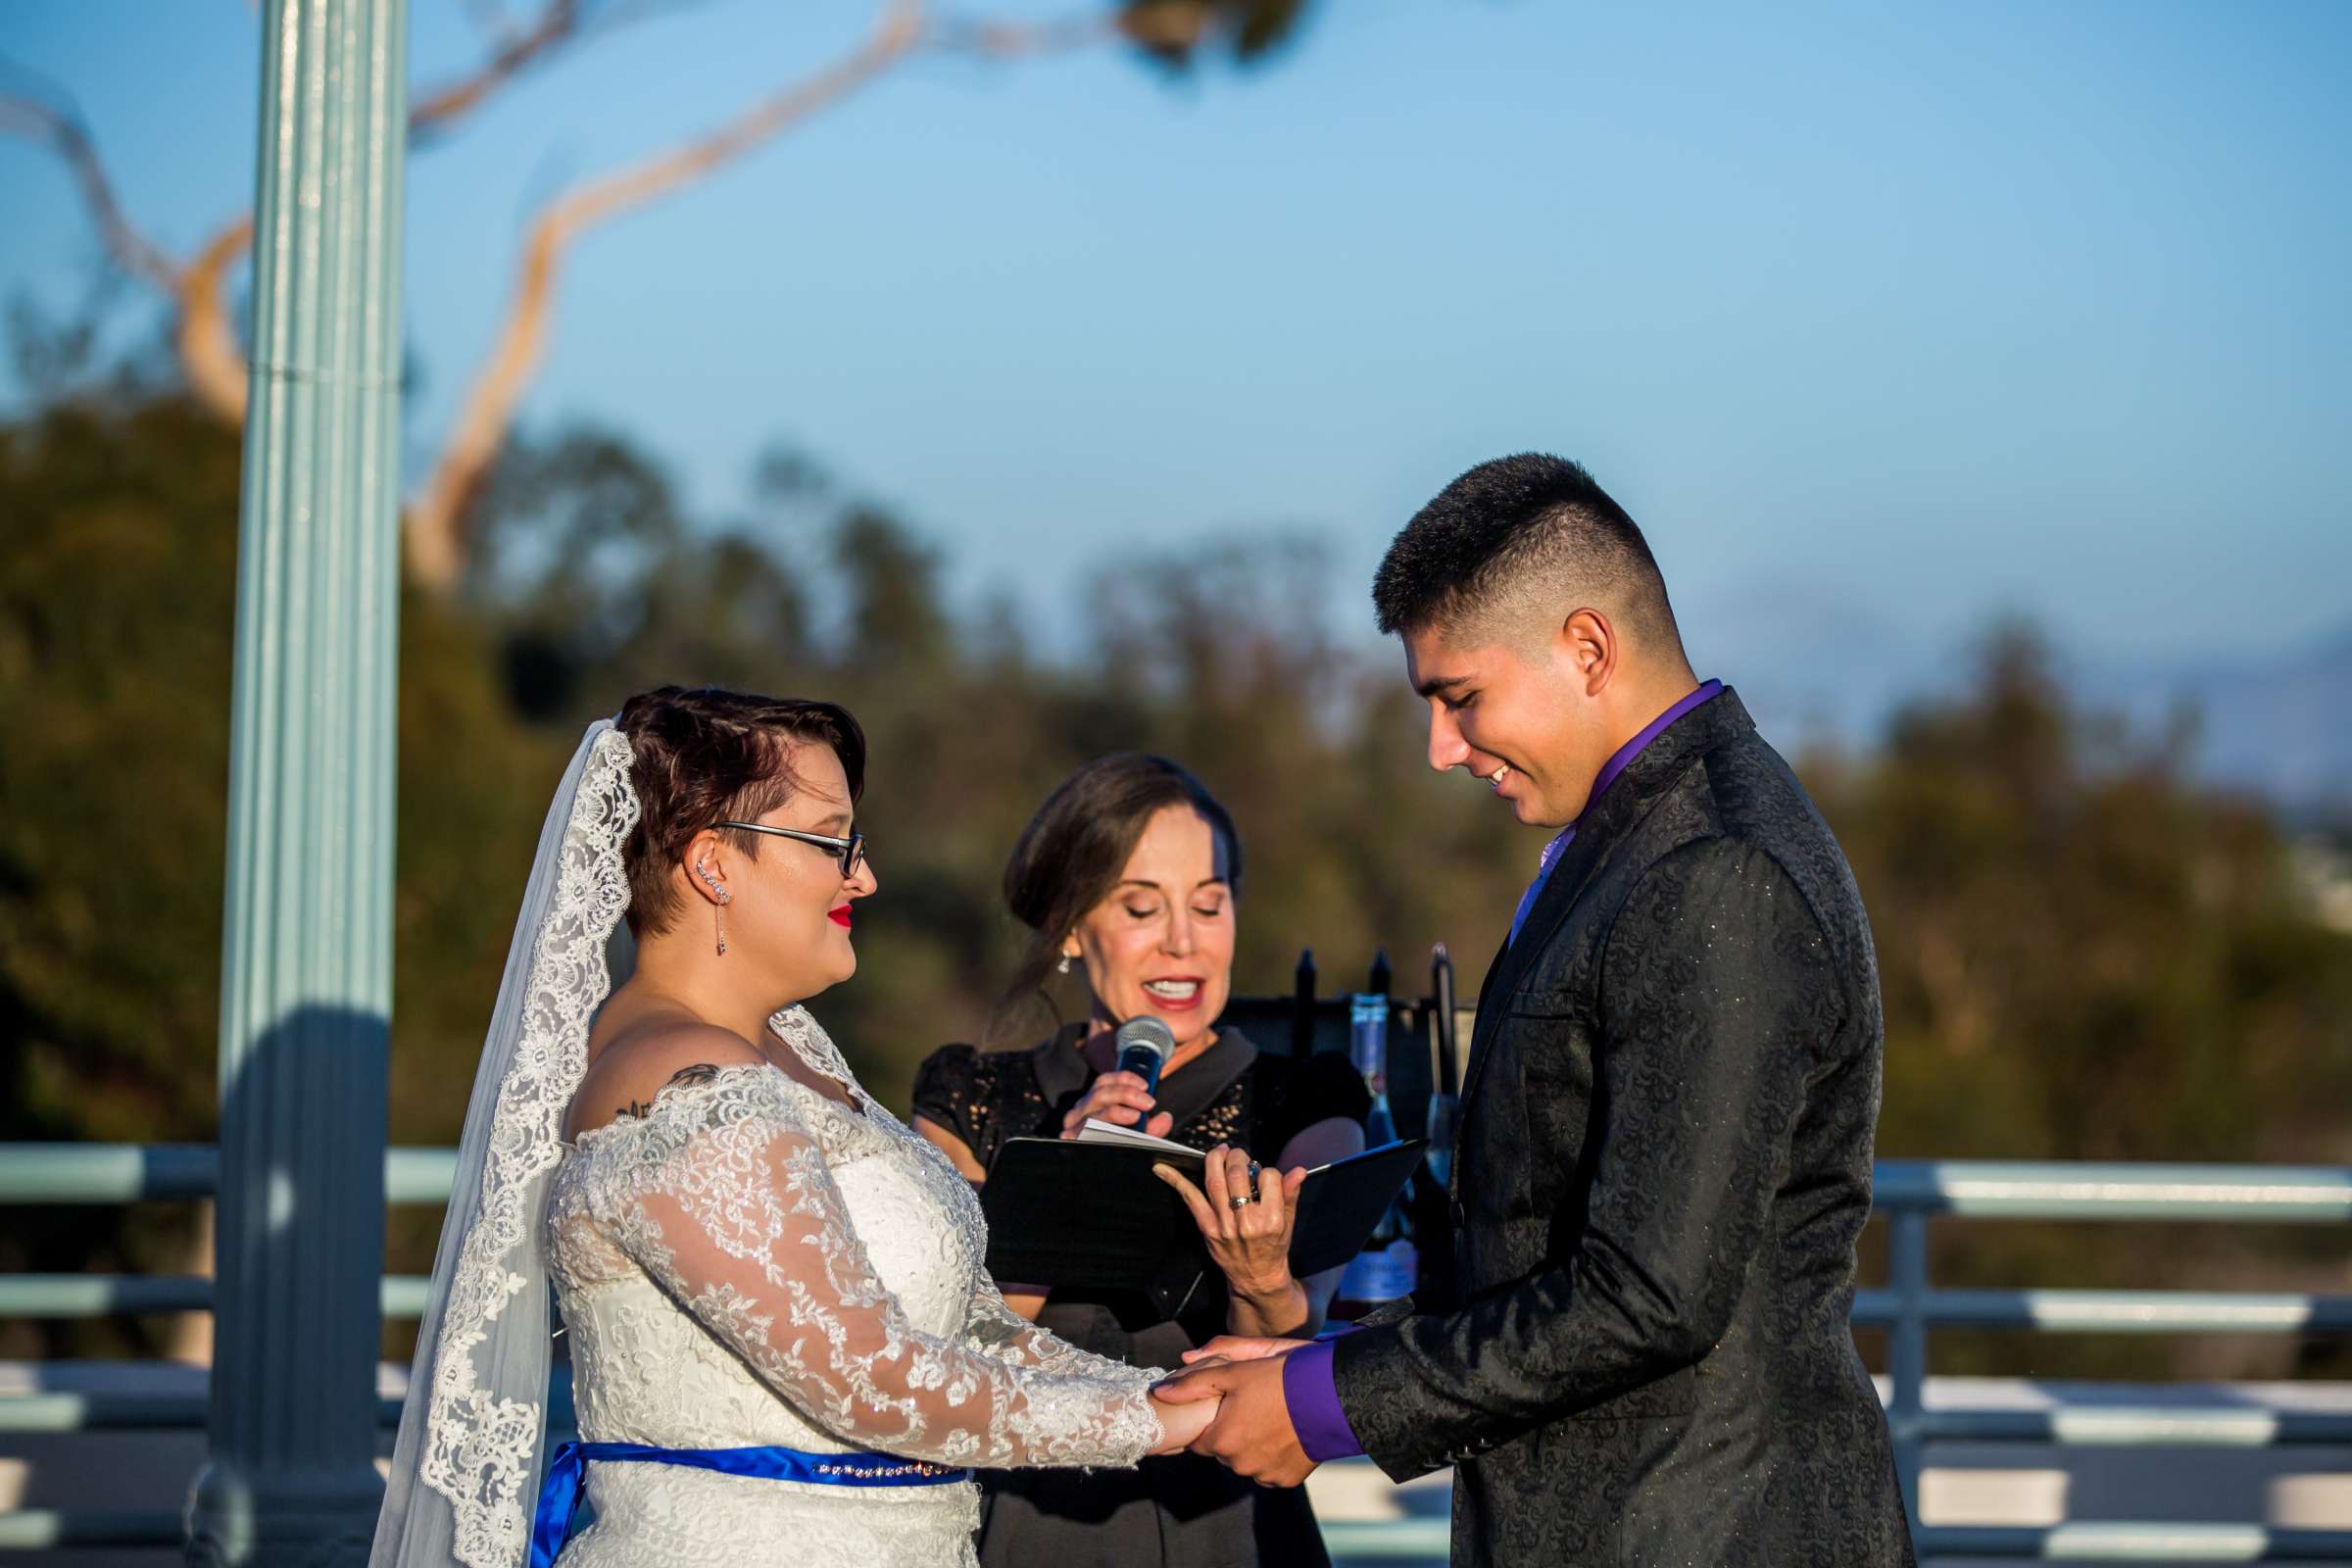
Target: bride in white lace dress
<point>784,1346</point>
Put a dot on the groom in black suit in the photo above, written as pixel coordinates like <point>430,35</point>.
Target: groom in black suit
<point>1665,1146</point>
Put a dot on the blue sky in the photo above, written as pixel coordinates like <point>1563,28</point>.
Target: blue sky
<point>1897,316</point>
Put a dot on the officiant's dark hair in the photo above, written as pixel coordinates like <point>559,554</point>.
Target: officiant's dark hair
<point>707,757</point>
<point>1070,855</point>
<point>1530,526</point>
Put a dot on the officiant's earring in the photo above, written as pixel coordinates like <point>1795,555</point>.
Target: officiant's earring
<point>717,921</point>
<point>1063,967</point>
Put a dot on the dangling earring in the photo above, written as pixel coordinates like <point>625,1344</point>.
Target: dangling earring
<point>718,922</point>
<point>1063,967</point>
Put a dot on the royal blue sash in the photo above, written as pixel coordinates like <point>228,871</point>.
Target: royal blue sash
<point>560,1492</point>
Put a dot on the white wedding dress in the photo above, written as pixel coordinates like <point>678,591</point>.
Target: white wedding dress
<point>748,1265</point>
<point>753,1263</point>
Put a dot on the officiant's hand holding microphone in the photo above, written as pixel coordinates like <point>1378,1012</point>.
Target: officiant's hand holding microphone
<point>1124,1096</point>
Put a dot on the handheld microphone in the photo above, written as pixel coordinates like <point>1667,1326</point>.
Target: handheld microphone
<point>1145,1045</point>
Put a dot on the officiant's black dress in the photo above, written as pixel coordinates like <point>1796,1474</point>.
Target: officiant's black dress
<point>1180,1510</point>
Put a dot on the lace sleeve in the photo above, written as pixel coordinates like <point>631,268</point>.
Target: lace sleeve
<point>730,1206</point>
<point>997,1330</point>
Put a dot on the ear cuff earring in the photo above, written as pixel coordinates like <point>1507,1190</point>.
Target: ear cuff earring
<point>717,921</point>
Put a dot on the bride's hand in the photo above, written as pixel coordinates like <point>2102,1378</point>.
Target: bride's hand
<point>1180,1424</point>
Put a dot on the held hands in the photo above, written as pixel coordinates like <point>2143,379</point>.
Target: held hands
<point>1120,1099</point>
<point>1250,1433</point>
<point>1251,1239</point>
<point>1181,1424</point>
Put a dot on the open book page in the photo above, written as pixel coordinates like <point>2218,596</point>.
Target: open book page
<point>1103,1132</point>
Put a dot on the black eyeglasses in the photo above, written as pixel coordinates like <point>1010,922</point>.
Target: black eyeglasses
<point>852,849</point>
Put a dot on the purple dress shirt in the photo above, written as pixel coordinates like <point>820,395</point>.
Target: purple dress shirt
<point>1306,1385</point>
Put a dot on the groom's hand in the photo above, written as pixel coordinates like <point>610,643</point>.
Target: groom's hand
<point>1252,1434</point>
<point>1240,1348</point>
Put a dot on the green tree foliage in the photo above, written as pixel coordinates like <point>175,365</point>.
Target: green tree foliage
<point>116,620</point>
<point>2085,955</point>
<point>116,589</point>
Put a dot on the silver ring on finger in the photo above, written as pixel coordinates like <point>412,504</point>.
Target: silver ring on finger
<point>1242,1200</point>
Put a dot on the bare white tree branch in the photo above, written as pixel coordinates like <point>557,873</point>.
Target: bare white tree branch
<point>519,49</point>
<point>206,339</point>
<point>436,545</point>
<point>61,131</point>
<point>206,336</point>
<point>209,354</point>
<point>205,330</point>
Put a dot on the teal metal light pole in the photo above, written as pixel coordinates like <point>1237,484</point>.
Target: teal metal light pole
<point>307,964</point>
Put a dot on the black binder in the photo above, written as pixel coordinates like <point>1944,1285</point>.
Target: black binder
<point>1064,1212</point>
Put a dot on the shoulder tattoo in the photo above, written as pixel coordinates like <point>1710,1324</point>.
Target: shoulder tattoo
<point>702,1072</point>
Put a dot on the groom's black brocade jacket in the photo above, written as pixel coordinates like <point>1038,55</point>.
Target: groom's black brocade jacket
<point>1664,1160</point>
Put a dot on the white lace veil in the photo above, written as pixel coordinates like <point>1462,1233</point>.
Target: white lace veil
<point>465,1469</point>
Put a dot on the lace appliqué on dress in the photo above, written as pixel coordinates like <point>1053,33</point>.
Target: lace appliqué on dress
<point>726,1196</point>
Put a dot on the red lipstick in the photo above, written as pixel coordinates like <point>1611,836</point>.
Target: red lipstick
<point>840,917</point>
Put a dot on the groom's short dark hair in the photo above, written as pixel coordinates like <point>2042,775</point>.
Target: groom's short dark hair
<point>1520,533</point>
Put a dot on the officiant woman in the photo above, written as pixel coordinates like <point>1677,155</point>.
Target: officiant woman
<point>1129,877</point>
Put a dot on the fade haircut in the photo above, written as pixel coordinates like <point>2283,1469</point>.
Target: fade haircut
<point>1514,547</point>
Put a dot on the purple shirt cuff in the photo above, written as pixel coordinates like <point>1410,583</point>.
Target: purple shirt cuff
<point>1314,1404</point>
